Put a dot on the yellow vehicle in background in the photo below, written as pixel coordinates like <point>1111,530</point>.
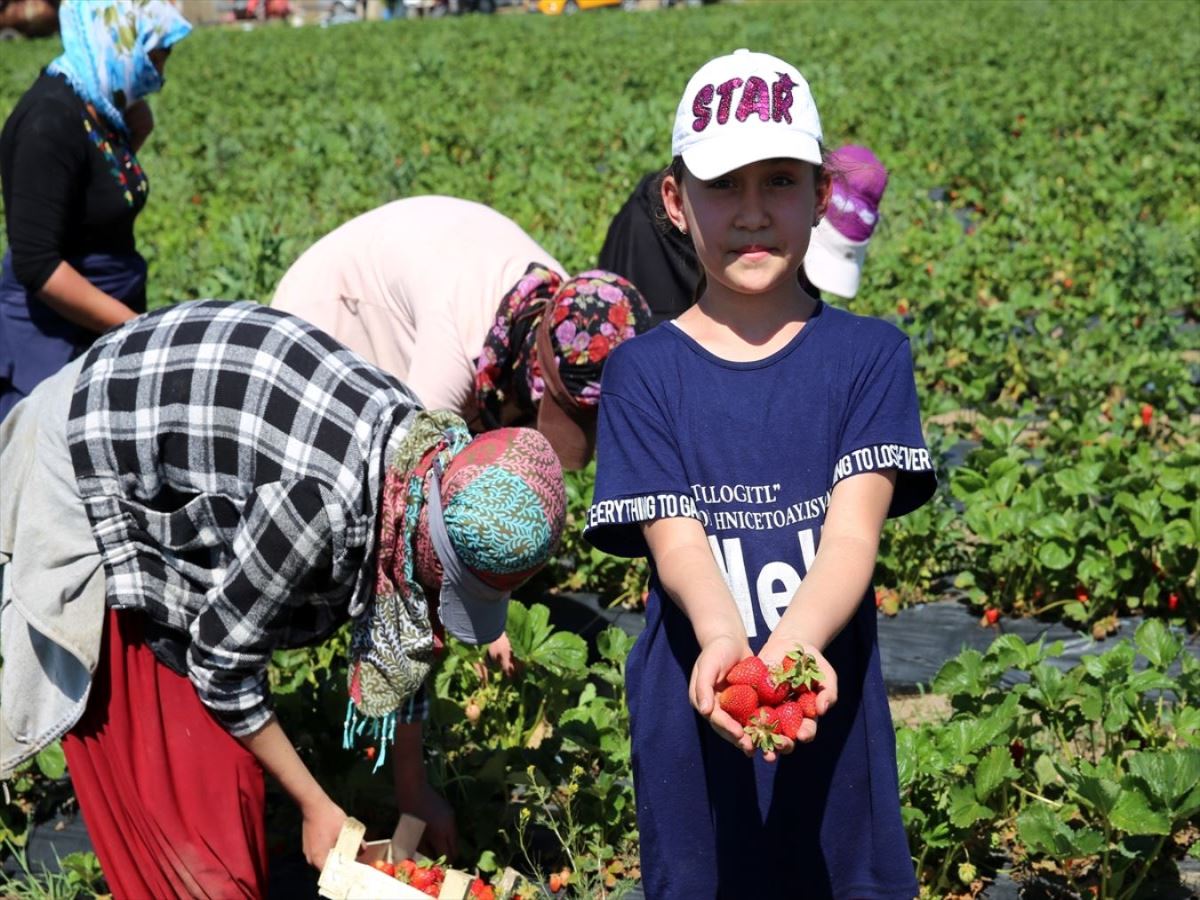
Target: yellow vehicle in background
<point>555,7</point>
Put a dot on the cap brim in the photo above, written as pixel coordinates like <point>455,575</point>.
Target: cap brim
<point>471,620</point>
<point>717,156</point>
<point>834,263</point>
<point>573,439</point>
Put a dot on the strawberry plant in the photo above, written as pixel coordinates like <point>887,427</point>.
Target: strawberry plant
<point>1086,774</point>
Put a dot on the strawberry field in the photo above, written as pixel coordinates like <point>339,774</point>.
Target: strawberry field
<point>1039,246</point>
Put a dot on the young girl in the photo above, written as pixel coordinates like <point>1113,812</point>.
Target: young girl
<point>752,448</point>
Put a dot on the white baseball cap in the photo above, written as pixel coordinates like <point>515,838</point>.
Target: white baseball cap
<point>833,262</point>
<point>743,108</point>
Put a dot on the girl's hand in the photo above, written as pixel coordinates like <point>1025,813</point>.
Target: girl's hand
<point>717,657</point>
<point>322,824</point>
<point>773,652</point>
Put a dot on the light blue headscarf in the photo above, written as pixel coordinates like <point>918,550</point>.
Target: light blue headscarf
<point>106,48</point>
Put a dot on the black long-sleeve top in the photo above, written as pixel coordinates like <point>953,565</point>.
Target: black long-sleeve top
<point>71,184</point>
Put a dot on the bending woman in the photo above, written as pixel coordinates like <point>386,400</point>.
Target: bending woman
<point>73,187</point>
<point>464,307</point>
<point>209,483</point>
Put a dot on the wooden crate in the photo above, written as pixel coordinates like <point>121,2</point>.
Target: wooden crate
<point>349,874</point>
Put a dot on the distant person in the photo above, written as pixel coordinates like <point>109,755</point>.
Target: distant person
<point>209,483</point>
<point>463,306</point>
<point>660,260</point>
<point>73,187</point>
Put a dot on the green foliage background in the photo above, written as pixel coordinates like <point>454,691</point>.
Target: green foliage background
<point>1038,245</point>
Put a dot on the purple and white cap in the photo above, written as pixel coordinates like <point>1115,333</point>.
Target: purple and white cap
<point>839,242</point>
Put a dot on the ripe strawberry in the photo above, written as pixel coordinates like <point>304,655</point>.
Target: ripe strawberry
<point>369,753</point>
<point>1147,414</point>
<point>791,717</point>
<point>423,878</point>
<point>481,890</point>
<point>763,729</point>
<point>992,615</point>
<point>1017,751</point>
<point>407,867</point>
<point>754,672</point>
<point>385,867</point>
<point>1081,593</point>
<point>807,701</point>
<point>740,701</point>
<point>748,671</point>
<point>1172,602</point>
<point>556,883</point>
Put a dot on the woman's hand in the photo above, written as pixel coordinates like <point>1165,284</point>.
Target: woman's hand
<point>718,655</point>
<point>321,825</point>
<point>500,654</point>
<point>774,650</point>
<point>441,832</point>
<point>139,119</point>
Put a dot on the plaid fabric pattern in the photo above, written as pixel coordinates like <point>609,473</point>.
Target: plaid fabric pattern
<point>231,459</point>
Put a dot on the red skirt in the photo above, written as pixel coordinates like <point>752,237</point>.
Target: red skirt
<point>173,803</point>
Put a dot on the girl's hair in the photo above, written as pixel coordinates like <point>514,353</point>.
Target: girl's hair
<point>823,183</point>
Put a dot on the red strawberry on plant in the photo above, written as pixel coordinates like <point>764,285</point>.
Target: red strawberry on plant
<point>1172,602</point>
<point>991,615</point>
<point>1147,414</point>
<point>740,701</point>
<point>1081,593</point>
<point>1017,750</point>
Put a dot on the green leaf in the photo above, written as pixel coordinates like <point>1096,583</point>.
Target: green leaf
<point>52,762</point>
<point>562,651</point>
<point>964,810</point>
<point>1056,555</point>
<point>1157,644</point>
<point>993,770</point>
<point>1170,779</point>
<point>614,644</point>
<point>1041,830</point>
<point>1132,814</point>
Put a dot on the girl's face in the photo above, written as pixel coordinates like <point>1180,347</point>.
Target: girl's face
<point>750,227</point>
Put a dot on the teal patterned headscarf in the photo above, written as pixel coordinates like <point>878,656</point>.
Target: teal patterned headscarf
<point>106,49</point>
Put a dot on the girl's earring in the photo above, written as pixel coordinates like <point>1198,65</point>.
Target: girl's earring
<point>683,229</point>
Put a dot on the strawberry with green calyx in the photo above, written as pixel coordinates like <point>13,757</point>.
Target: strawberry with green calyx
<point>740,701</point>
<point>763,729</point>
<point>800,670</point>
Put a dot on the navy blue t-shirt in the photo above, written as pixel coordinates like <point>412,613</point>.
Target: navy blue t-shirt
<point>753,450</point>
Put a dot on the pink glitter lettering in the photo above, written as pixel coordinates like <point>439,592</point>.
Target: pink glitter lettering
<point>700,108</point>
<point>725,92</point>
<point>756,98</point>
<point>781,96</point>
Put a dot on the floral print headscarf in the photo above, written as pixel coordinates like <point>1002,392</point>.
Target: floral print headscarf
<point>106,49</point>
<point>592,313</point>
